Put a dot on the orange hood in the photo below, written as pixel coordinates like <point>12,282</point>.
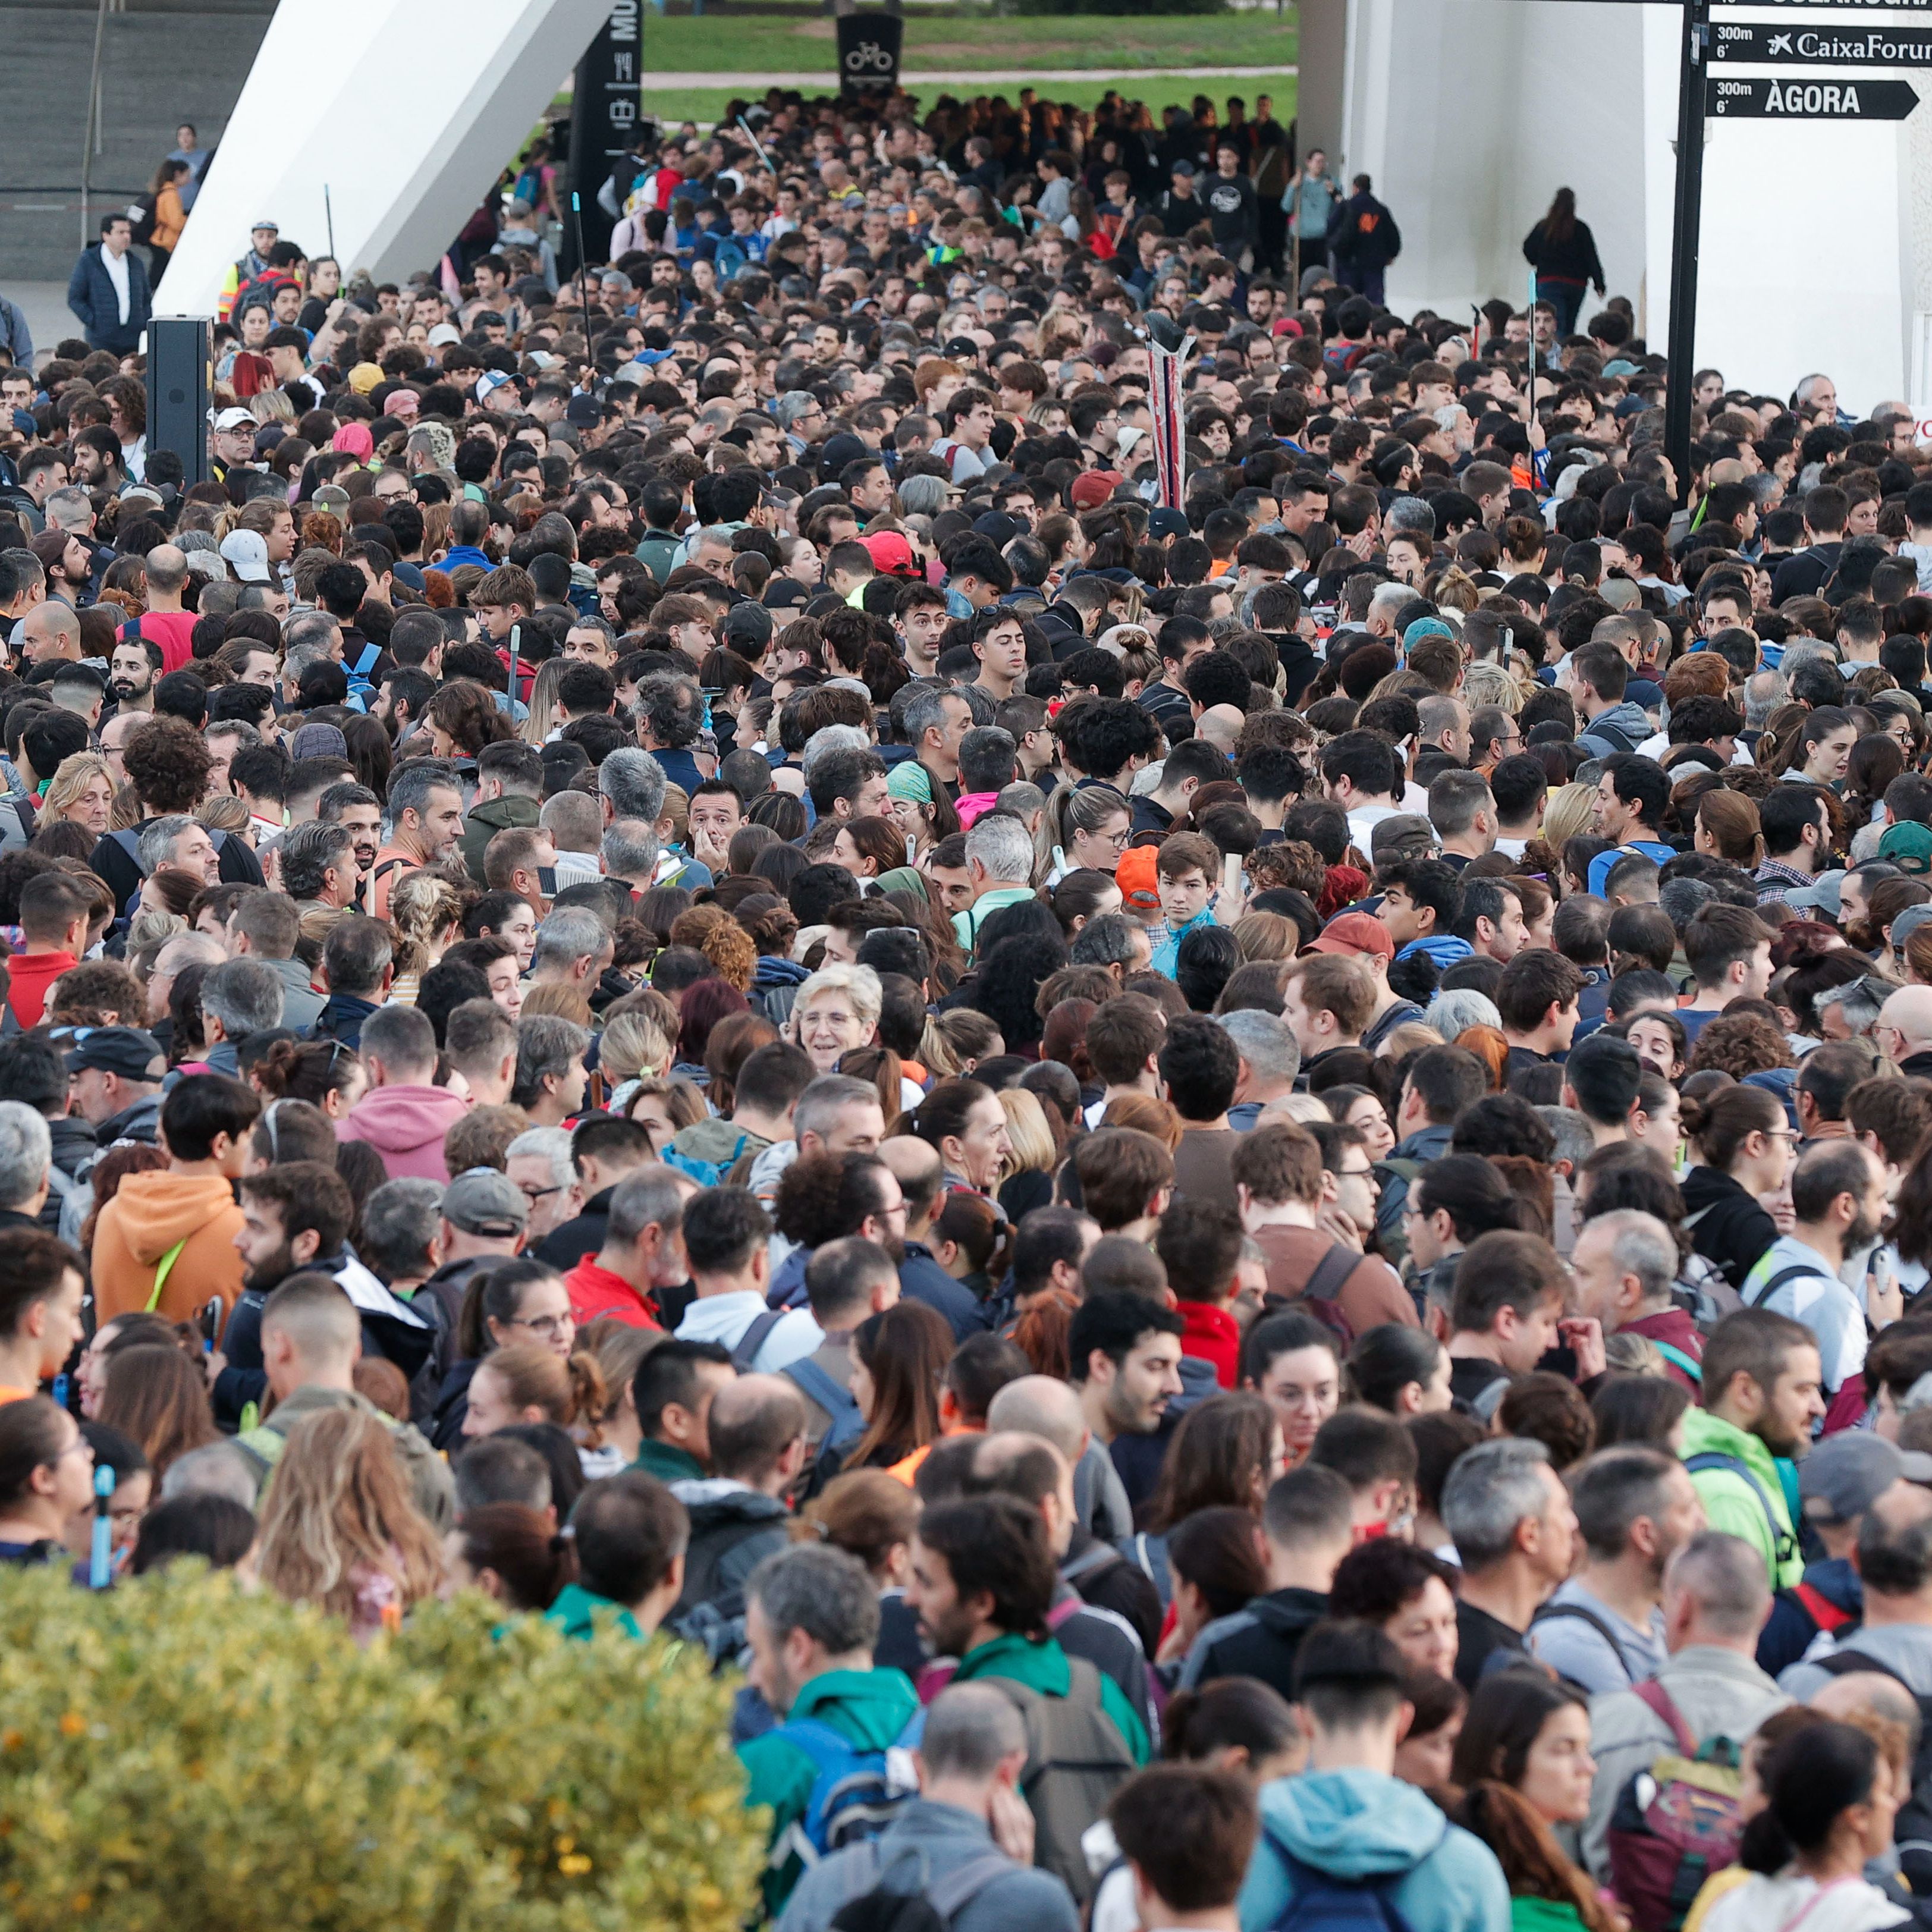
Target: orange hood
<point>156,1210</point>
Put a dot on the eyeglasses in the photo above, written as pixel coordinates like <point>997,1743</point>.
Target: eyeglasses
<point>1355,1173</point>
<point>550,1326</point>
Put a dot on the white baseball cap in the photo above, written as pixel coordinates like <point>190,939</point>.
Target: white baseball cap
<point>246,553</point>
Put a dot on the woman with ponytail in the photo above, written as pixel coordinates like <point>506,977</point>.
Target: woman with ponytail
<point>1741,1152</point>
<point>520,1300</point>
<point>1450,1202</point>
<point>1083,828</point>
<point>510,1552</point>
<point>528,1382</point>
<point>1831,1795</point>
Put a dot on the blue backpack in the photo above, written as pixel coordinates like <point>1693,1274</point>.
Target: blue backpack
<point>847,1424</point>
<point>1323,1903</point>
<point>855,1794</point>
<point>706,1173</point>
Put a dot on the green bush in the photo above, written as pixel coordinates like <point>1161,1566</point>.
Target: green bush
<point>1129,9</point>
<point>177,1754</point>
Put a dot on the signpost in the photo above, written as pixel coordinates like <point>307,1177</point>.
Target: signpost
<point>1844,98</point>
<point>869,51</point>
<point>1765,41</point>
<point>1797,93</point>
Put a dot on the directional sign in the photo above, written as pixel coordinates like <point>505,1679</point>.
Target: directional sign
<point>1841,47</point>
<point>1767,98</point>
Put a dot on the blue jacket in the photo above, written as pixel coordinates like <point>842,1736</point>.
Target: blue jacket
<point>1365,1825</point>
<point>90,295</point>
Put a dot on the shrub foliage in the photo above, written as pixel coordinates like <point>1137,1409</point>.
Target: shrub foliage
<point>179,1754</point>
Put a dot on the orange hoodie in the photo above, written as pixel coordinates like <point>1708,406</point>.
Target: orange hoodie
<point>148,1214</point>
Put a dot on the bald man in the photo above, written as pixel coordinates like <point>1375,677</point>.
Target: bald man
<point>756,1430</point>
<point>50,632</point>
<point>167,621</point>
<point>1903,1031</point>
<point>1219,724</point>
<point>114,735</point>
<point>1045,1406</point>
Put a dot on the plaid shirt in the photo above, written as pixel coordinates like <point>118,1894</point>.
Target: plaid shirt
<point>1774,878</point>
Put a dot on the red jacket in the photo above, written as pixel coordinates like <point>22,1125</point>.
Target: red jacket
<point>1212,1335</point>
<point>595,1290</point>
<point>1676,1330</point>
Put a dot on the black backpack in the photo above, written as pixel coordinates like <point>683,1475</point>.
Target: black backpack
<point>933,1909</point>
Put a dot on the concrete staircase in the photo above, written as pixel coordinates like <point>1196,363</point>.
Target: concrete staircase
<point>163,62</point>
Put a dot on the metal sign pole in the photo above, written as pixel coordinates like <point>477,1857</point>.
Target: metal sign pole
<point>1687,221</point>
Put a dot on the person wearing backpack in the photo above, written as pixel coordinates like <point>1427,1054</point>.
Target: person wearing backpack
<point>957,1857</point>
<point>1761,1400</point>
<point>1708,1698</point>
<point>1347,1846</point>
<point>1838,1199</point>
<point>1837,1484</point>
<point>811,1619</point>
<point>1309,1520</point>
<point>982,1587</point>
<point>756,1432</point>
<point>846,1282</point>
<point>1603,1628</point>
<point>1279,1184</point>
<point>727,1242</point>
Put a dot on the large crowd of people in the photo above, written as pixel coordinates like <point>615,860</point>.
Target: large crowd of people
<point>1233,1193</point>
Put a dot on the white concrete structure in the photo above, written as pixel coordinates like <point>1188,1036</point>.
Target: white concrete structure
<point>406,110</point>
<point>1469,114</point>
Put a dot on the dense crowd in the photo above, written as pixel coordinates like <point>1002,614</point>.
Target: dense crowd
<point>1236,1190</point>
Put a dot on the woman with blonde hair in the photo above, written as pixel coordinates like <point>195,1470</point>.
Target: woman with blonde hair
<point>427,913</point>
<point>837,1009</point>
<point>544,716</point>
<point>1266,936</point>
<point>1727,826</point>
<point>1490,687</point>
<point>82,790</point>
<point>1026,1174</point>
<point>1568,814</point>
<point>339,1529</point>
<point>633,1048</point>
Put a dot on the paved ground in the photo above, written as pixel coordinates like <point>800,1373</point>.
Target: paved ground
<point>44,305</point>
<point>665,83</point>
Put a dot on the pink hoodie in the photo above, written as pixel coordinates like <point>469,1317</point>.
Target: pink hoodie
<point>406,1126</point>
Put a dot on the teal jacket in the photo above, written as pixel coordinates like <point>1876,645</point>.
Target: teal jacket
<point>578,1613</point>
<point>1364,1824</point>
<point>868,1709</point>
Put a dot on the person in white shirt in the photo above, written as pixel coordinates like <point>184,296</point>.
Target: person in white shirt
<point>727,1236</point>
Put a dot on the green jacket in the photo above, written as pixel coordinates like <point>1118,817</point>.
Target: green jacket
<point>1041,1666</point>
<point>1732,1505</point>
<point>868,1709</point>
<point>576,1608</point>
<point>1543,1915</point>
<point>668,1463</point>
<point>966,925</point>
<point>485,820</point>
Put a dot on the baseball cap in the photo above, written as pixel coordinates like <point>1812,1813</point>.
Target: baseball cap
<point>749,624</point>
<point>1355,934</point>
<point>585,412</point>
<point>481,1200</point>
<point>246,553</point>
<point>1093,488</point>
<point>891,554</point>
<point>1166,524</point>
<point>490,379</point>
<point>274,228</point>
<point>445,335</point>
<point>1405,835</point>
<point>363,377</point>
<point>1909,847</point>
<point>1183,168</point>
<point>1846,1474</point>
<point>234,418</point>
<point>1907,923</point>
<point>1137,878</point>
<point>130,1051</point>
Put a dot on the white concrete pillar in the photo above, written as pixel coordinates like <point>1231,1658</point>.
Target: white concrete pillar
<point>406,110</point>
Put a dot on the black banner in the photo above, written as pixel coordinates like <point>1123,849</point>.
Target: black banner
<point>1766,97</point>
<point>604,115</point>
<point>868,52</point>
<point>1824,47</point>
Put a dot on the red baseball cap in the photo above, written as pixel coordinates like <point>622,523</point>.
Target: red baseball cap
<point>1354,934</point>
<point>891,554</point>
<point>1094,488</point>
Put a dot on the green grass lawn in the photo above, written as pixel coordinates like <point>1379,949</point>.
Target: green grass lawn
<point>768,43</point>
<point>705,104</point>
